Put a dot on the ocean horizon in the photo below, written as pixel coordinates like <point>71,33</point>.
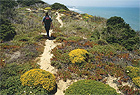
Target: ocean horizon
<point>130,15</point>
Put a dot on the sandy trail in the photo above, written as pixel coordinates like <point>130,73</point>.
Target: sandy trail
<point>45,62</point>
<point>110,82</point>
<point>59,20</point>
<point>61,85</point>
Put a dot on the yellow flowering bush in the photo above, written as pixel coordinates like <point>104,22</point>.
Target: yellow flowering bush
<point>133,71</point>
<point>87,16</point>
<point>62,10</point>
<point>136,80</point>
<point>78,56</point>
<point>48,8</point>
<point>39,77</point>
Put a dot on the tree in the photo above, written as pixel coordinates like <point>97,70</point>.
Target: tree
<point>118,31</point>
<point>7,8</point>
<point>57,6</point>
<point>29,2</point>
<point>7,31</point>
<point>7,4</point>
<point>115,20</point>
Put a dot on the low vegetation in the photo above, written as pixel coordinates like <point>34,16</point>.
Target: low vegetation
<point>92,48</point>
<point>89,87</point>
<point>134,73</point>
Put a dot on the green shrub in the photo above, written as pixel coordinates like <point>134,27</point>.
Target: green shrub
<point>75,38</point>
<point>57,6</point>
<point>60,39</point>
<point>90,87</point>
<point>6,5</point>
<point>78,56</point>
<point>96,35</point>
<point>7,31</point>
<point>62,10</point>
<point>39,77</point>
<point>118,31</point>
<point>133,72</point>
<point>135,62</point>
<point>136,80</point>
<point>29,2</point>
<point>86,16</point>
<point>10,83</point>
<point>102,42</point>
<point>115,20</point>
<point>105,49</point>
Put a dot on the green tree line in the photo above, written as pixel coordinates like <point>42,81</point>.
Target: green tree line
<point>118,31</point>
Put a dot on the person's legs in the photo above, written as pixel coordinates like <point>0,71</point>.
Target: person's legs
<point>47,30</point>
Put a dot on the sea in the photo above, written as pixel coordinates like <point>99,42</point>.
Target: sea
<point>131,15</point>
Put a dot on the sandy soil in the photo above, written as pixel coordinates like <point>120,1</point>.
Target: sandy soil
<point>59,20</point>
<point>46,56</point>
<point>110,82</point>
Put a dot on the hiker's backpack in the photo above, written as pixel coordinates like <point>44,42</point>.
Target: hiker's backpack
<point>47,20</point>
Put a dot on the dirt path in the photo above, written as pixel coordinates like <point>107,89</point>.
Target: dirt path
<point>59,20</point>
<point>110,82</point>
<point>61,85</point>
<point>45,62</point>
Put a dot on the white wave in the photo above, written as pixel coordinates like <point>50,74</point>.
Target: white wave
<point>74,9</point>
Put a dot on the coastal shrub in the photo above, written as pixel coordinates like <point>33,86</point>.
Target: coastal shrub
<point>62,10</point>
<point>39,77</point>
<point>102,42</point>
<point>78,56</point>
<point>48,8</point>
<point>133,72</point>
<point>90,87</point>
<point>10,83</point>
<point>7,30</point>
<point>95,35</point>
<point>136,80</point>
<point>115,20</point>
<point>7,8</point>
<point>29,2</point>
<point>60,39</point>
<point>75,38</point>
<point>57,6</point>
<point>86,16</point>
<point>118,31</point>
<point>104,49</point>
<point>135,62</point>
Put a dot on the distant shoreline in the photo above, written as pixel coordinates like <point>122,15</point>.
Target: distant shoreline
<point>129,14</point>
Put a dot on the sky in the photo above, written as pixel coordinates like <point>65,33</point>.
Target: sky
<point>97,3</point>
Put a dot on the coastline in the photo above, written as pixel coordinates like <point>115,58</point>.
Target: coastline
<point>129,14</point>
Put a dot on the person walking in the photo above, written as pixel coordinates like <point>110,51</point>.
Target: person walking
<point>47,22</point>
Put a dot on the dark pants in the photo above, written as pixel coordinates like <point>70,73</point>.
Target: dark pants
<point>47,28</point>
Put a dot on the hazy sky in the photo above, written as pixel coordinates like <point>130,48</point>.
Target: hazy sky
<point>101,3</point>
